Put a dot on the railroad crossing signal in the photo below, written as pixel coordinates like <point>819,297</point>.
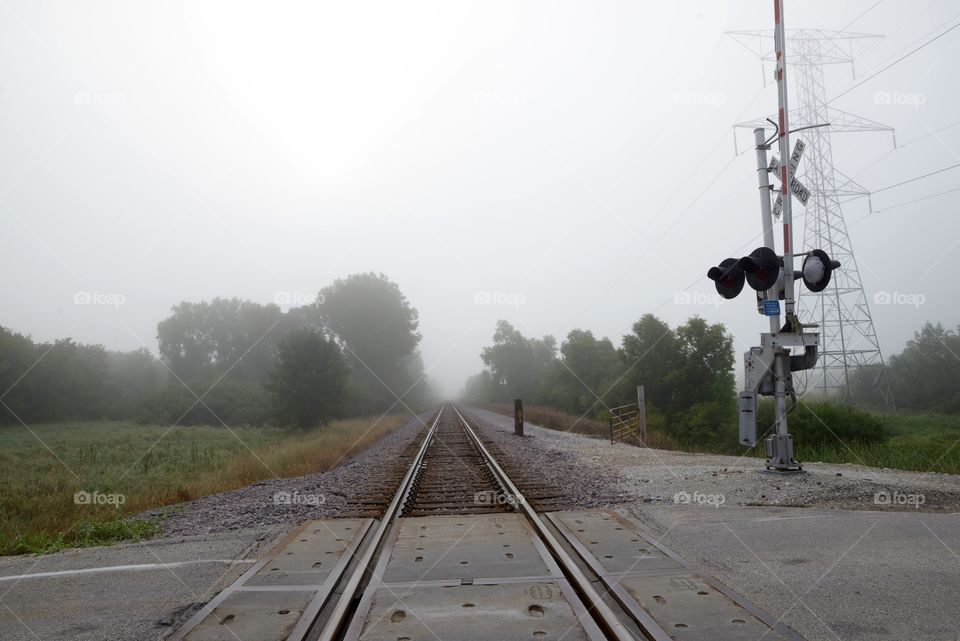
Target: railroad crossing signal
<point>763,269</point>
<point>817,268</point>
<point>728,277</point>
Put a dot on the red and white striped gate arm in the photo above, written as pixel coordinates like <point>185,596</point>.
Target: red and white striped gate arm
<point>779,38</point>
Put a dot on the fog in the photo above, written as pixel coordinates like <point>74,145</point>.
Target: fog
<point>557,165</point>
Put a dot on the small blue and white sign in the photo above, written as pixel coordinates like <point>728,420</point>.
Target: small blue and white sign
<point>771,308</point>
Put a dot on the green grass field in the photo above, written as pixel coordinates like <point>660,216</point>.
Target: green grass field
<point>918,442</point>
<point>42,469</point>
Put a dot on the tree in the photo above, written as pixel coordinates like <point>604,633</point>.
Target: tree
<point>133,378</point>
<point>377,328</point>
<point>518,365</point>
<point>479,389</point>
<point>70,381</point>
<point>703,395</point>
<point>866,386</point>
<point>926,374</point>
<point>706,364</point>
<point>371,316</point>
<point>649,354</point>
<point>17,356</point>
<point>587,369</point>
<point>202,340</point>
<point>308,381</point>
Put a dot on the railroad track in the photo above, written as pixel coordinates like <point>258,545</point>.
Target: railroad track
<point>452,482</point>
<point>436,484</point>
<point>453,479</point>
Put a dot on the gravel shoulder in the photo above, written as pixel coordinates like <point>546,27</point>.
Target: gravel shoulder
<point>624,473</point>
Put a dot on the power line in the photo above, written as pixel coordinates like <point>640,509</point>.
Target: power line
<point>872,7</point>
<point>904,182</point>
<point>903,25</point>
<point>915,40</point>
<point>897,148</point>
<point>915,178</point>
<point>669,200</point>
<point>692,203</point>
<point>917,200</point>
<point>904,204</point>
<point>897,61</point>
<point>696,170</point>
<point>932,133</point>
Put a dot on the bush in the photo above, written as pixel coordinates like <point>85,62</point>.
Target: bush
<point>710,423</point>
<point>825,422</point>
<point>232,402</point>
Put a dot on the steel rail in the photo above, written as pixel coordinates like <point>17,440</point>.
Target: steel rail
<point>594,601</point>
<point>337,617</point>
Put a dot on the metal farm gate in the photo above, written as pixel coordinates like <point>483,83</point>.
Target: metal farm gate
<point>629,420</point>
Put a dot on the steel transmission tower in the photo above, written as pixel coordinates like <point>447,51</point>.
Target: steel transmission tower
<point>848,336</point>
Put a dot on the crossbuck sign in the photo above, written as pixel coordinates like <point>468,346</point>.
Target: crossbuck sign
<point>797,188</point>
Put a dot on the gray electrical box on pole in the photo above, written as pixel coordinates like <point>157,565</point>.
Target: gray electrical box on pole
<point>748,418</point>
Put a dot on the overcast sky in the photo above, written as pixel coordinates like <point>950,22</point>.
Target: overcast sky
<point>558,165</point>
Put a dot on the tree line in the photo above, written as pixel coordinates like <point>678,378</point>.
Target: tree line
<point>925,376</point>
<point>688,377</point>
<point>68,380</point>
<point>686,371</point>
<point>350,352</point>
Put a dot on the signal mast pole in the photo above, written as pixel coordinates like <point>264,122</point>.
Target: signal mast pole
<point>766,220</point>
<point>786,170</point>
<point>781,361</point>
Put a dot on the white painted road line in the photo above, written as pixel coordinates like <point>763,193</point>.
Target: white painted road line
<point>791,518</point>
<point>120,568</point>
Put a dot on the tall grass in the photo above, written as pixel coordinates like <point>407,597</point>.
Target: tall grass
<point>42,468</point>
<point>919,442</point>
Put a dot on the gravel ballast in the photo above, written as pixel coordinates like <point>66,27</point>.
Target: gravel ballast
<point>582,485</point>
<point>255,505</point>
